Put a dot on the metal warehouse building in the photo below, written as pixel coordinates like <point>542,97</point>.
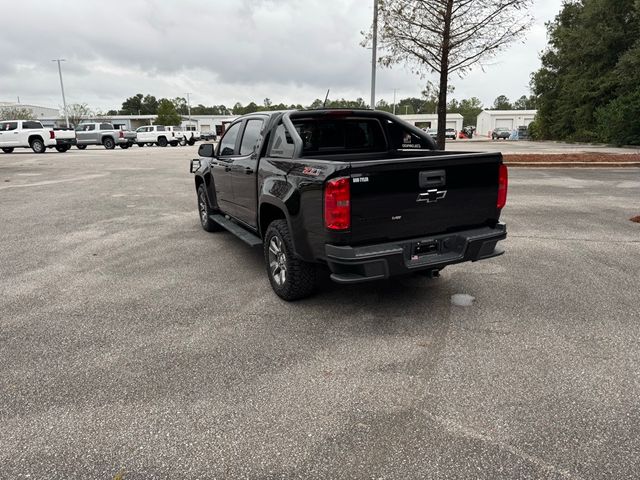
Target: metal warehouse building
<point>428,120</point>
<point>511,119</point>
<point>36,110</point>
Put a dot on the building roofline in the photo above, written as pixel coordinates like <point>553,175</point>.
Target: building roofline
<point>510,112</point>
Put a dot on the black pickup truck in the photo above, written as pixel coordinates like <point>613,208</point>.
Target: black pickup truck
<point>359,191</point>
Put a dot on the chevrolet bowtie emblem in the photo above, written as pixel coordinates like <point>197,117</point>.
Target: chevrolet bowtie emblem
<point>432,196</point>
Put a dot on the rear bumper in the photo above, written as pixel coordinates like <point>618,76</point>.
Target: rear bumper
<point>374,262</point>
<point>65,141</point>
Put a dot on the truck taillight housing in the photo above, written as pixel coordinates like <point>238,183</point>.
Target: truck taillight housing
<point>52,135</point>
<point>503,182</point>
<point>121,134</point>
<point>337,204</point>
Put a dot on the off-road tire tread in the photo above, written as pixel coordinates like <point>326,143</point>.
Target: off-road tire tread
<point>210,225</point>
<point>301,276</point>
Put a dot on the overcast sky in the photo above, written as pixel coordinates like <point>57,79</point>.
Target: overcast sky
<point>221,52</point>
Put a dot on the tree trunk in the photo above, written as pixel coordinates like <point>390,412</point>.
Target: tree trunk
<point>444,77</point>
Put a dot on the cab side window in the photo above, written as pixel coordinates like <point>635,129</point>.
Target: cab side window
<point>106,126</point>
<point>28,125</point>
<point>250,137</point>
<point>282,145</point>
<point>228,142</point>
<point>8,126</point>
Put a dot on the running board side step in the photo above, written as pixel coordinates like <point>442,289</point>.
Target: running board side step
<point>244,235</point>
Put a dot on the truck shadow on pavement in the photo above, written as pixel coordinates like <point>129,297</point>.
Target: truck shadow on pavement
<point>390,297</point>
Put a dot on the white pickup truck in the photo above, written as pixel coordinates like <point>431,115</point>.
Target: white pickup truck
<point>31,134</point>
<point>183,136</point>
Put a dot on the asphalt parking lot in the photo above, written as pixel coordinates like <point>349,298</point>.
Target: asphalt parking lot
<point>133,342</point>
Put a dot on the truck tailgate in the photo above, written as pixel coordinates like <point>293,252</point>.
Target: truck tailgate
<point>411,197</point>
<point>65,134</point>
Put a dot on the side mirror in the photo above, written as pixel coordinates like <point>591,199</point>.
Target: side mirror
<point>206,150</point>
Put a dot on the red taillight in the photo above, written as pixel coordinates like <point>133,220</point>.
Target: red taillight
<point>503,182</point>
<point>52,135</point>
<point>337,204</point>
<point>121,134</point>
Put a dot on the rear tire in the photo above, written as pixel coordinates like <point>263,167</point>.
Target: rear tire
<point>204,211</point>
<point>81,147</point>
<point>7,149</point>
<point>162,142</point>
<point>109,143</point>
<point>37,145</point>
<point>290,277</point>
<point>174,144</point>
<point>62,148</point>
<point>140,145</point>
<point>124,146</point>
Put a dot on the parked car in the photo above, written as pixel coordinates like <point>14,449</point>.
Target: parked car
<point>99,133</point>
<point>433,132</point>
<point>501,132</point>
<point>208,136</point>
<point>361,192</point>
<point>155,135</point>
<point>31,134</point>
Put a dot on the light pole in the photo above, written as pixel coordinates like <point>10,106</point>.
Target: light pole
<point>394,100</point>
<point>374,54</point>
<point>64,100</point>
<point>189,106</point>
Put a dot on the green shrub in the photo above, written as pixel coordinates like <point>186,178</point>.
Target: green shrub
<point>534,130</point>
<point>618,122</point>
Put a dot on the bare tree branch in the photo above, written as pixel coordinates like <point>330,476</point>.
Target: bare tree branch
<point>447,36</point>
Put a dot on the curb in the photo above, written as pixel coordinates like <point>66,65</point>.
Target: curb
<point>574,164</point>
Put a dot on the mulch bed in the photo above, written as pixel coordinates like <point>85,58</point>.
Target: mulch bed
<point>572,157</point>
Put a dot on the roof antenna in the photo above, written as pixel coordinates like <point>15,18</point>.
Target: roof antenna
<point>326,98</point>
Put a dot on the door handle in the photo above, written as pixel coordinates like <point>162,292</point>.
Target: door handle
<point>248,170</point>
